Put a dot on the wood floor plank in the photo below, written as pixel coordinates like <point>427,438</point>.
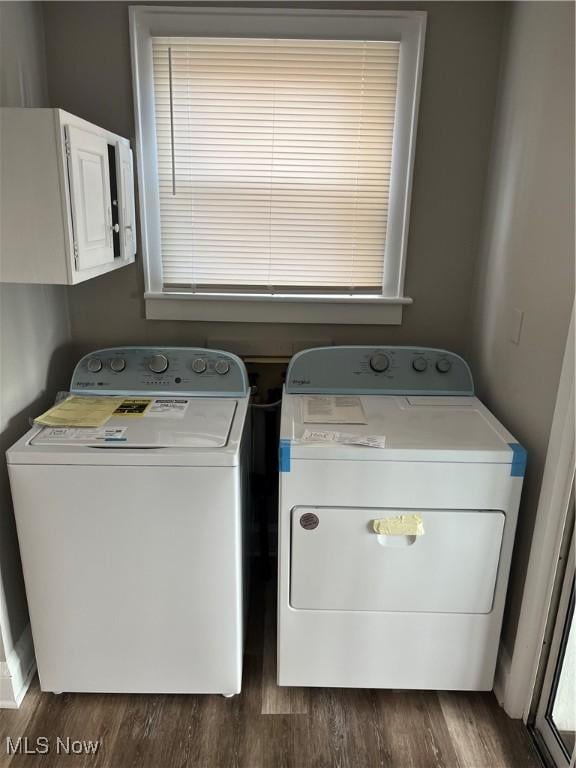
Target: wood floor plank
<point>327,732</point>
<point>342,728</point>
<point>514,738</point>
<point>136,730</point>
<point>479,741</point>
<point>282,741</point>
<point>249,743</point>
<point>14,722</point>
<point>159,730</point>
<point>277,700</point>
<point>84,717</point>
<point>412,730</point>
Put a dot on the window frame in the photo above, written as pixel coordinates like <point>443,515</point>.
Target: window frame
<point>408,27</point>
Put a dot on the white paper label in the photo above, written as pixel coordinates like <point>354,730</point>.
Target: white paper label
<point>372,441</point>
<point>329,436</point>
<point>329,409</point>
<point>84,434</point>
<point>169,407</point>
<point>319,436</point>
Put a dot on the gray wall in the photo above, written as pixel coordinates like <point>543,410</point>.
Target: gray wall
<point>89,74</point>
<point>34,322</point>
<point>526,261</point>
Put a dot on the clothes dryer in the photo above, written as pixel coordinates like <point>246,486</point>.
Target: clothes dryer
<point>399,495</point>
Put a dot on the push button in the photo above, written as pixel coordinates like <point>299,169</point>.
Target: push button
<point>117,364</point>
<point>443,365</point>
<point>222,367</point>
<point>199,365</point>
<point>419,364</point>
<point>94,365</point>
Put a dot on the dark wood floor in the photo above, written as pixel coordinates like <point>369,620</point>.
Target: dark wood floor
<point>270,727</point>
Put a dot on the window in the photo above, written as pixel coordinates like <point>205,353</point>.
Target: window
<point>275,152</point>
<point>274,162</point>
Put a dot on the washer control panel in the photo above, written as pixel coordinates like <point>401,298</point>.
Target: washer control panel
<point>379,370</point>
<point>190,371</point>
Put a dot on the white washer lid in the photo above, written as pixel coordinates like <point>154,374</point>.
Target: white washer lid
<point>168,422</point>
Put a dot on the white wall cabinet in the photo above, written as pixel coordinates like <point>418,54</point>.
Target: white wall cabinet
<point>66,198</point>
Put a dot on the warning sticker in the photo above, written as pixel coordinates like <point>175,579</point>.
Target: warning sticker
<point>133,407</point>
<point>84,434</point>
<point>328,436</point>
<point>169,407</point>
<point>324,409</point>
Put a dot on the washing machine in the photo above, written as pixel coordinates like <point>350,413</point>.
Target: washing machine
<point>131,534</point>
<point>399,495</point>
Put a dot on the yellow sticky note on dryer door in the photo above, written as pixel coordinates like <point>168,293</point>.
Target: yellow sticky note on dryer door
<point>401,525</point>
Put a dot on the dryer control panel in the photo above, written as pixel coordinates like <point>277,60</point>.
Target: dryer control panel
<point>190,371</point>
<point>379,371</point>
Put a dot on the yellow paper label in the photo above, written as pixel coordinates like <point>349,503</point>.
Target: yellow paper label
<point>402,525</point>
<point>79,411</point>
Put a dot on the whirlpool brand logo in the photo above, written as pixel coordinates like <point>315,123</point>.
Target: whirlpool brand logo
<point>92,383</point>
<point>300,381</point>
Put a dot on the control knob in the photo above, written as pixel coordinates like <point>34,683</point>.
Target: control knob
<point>117,364</point>
<point>222,367</point>
<point>420,364</point>
<point>199,365</point>
<point>443,365</point>
<point>158,363</point>
<point>379,362</point>
<point>94,365</point>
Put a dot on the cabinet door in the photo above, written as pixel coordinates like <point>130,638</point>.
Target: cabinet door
<point>125,175</point>
<point>90,198</point>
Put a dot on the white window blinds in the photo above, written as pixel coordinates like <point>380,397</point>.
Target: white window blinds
<point>274,161</point>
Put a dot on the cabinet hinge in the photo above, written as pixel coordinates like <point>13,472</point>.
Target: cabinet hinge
<point>75,255</point>
<point>67,147</point>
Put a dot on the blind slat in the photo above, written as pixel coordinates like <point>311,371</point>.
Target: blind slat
<point>274,162</point>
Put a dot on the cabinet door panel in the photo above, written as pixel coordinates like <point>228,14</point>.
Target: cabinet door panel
<point>125,174</point>
<point>90,198</point>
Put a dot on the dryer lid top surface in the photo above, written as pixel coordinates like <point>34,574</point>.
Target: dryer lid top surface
<point>410,428</point>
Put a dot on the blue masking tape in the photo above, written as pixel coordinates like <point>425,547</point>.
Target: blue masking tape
<point>284,456</point>
<point>519,455</point>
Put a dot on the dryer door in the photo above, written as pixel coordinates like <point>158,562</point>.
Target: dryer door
<point>339,563</point>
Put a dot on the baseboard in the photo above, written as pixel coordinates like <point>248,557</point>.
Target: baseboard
<point>17,671</point>
<point>503,667</point>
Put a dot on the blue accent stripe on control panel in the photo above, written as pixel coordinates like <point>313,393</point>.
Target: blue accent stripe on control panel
<point>519,456</point>
<point>284,455</point>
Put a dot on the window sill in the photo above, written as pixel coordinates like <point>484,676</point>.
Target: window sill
<point>257,308</point>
